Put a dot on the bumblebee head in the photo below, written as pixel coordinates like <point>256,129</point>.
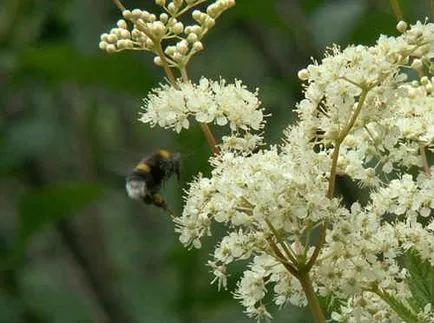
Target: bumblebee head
<point>169,163</point>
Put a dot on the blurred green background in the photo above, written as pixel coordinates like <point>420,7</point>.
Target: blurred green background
<point>73,247</point>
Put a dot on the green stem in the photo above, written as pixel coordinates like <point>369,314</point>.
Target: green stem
<point>396,9</point>
<point>119,4</point>
<point>333,170</point>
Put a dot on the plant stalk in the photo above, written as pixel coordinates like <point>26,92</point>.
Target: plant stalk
<point>312,299</point>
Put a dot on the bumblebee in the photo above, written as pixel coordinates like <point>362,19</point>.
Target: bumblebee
<point>146,179</point>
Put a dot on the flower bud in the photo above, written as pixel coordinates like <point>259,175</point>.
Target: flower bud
<point>125,34</point>
<point>104,36</point>
<point>191,38</point>
<point>303,74</point>
<point>136,13</point>
<point>209,22</point>
<point>178,28</point>
<point>416,64</point>
<point>171,8</point>
<point>112,39</point>
<point>197,46</point>
<point>122,24</point>
<point>158,29</point>
<point>110,48</point>
<point>401,26</point>
<point>164,17</point>
<point>198,16</point>
<point>103,45</point>
<point>182,47</point>
<point>158,61</point>
<point>127,14</point>
<point>177,56</point>
<point>170,50</point>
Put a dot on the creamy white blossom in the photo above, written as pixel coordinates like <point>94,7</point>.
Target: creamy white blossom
<point>361,119</point>
<point>208,102</point>
<point>357,100</point>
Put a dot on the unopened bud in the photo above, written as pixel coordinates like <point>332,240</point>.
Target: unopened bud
<point>112,39</point>
<point>416,64</point>
<point>136,13</point>
<point>158,29</point>
<point>170,50</point>
<point>158,61</point>
<point>127,14</point>
<point>191,38</point>
<point>103,45</point>
<point>178,28</point>
<point>197,46</point>
<point>303,74</point>
<point>110,48</point>
<point>401,26</point>
<point>198,16</point>
<point>209,22</point>
<point>164,17</point>
<point>122,24</point>
<point>177,57</point>
<point>182,47</point>
<point>125,34</point>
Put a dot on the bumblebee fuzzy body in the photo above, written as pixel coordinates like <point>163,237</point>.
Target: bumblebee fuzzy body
<point>146,179</point>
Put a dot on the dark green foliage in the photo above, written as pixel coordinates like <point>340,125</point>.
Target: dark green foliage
<point>421,280</point>
<point>49,204</point>
<point>55,64</point>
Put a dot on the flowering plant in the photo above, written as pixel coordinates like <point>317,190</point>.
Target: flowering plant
<point>361,117</point>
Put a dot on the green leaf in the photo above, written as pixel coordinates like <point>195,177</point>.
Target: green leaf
<point>22,140</point>
<point>260,11</point>
<point>421,280</point>
<point>345,16</point>
<point>400,308</point>
<point>122,71</point>
<point>329,303</point>
<point>45,206</point>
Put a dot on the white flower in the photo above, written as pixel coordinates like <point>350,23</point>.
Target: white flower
<point>207,102</point>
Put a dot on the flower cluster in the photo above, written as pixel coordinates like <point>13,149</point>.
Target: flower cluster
<point>208,101</point>
<point>147,31</point>
<point>361,94</point>
<point>360,118</point>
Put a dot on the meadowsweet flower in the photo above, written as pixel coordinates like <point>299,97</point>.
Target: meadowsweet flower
<point>245,143</point>
<point>142,30</point>
<point>207,102</point>
<point>360,117</point>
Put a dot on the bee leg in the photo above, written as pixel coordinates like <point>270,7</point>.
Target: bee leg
<point>158,200</point>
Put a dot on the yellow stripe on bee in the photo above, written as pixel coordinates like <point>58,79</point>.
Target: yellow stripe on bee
<point>143,167</point>
<point>164,153</point>
<point>158,199</point>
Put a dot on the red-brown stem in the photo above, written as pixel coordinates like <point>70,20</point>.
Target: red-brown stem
<point>424,160</point>
<point>209,138</point>
<point>312,299</point>
<point>432,7</point>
